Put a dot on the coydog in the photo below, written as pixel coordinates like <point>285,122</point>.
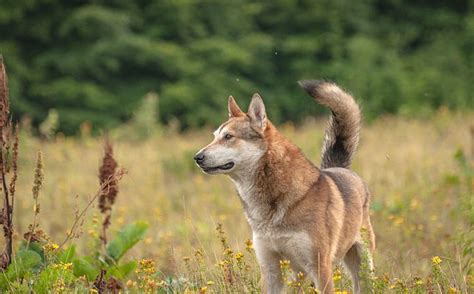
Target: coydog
<point>310,216</point>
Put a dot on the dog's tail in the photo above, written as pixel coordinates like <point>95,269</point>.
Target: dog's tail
<point>342,132</point>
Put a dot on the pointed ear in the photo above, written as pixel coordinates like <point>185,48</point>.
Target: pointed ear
<point>234,109</point>
<point>256,112</point>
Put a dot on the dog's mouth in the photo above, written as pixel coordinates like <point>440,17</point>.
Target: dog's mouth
<point>223,167</point>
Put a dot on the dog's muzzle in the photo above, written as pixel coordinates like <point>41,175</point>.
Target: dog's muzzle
<point>199,158</point>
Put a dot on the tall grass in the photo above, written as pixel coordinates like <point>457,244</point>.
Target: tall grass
<point>421,204</point>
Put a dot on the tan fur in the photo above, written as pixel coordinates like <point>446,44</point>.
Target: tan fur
<point>298,212</point>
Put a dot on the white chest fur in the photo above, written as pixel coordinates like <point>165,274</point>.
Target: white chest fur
<point>249,195</point>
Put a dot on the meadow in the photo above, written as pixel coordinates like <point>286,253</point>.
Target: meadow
<point>419,172</point>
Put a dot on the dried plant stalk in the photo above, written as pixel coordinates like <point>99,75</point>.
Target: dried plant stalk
<point>107,198</point>
<point>4,102</point>
<point>16,144</point>
<point>37,184</point>
<point>6,215</point>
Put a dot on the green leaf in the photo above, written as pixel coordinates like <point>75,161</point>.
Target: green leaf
<point>123,270</point>
<point>66,256</point>
<point>126,239</point>
<point>34,246</point>
<point>83,267</point>
<point>24,261</point>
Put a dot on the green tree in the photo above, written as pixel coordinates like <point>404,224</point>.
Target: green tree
<point>94,60</point>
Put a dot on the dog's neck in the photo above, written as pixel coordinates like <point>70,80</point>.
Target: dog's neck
<point>282,176</point>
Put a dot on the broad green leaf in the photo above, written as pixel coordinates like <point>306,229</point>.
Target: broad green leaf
<point>126,239</point>
<point>34,246</point>
<point>122,271</point>
<point>24,261</point>
<point>82,267</point>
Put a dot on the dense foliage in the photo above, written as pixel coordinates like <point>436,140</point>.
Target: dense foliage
<point>94,60</point>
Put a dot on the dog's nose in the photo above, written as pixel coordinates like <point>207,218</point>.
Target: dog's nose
<point>199,158</point>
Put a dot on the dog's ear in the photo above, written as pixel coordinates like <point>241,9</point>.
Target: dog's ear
<point>256,112</point>
<point>234,109</point>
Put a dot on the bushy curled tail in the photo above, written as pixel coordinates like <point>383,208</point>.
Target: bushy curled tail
<point>342,132</point>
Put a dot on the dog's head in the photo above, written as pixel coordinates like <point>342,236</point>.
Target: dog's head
<point>238,143</point>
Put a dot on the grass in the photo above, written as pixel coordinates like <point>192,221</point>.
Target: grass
<point>421,209</point>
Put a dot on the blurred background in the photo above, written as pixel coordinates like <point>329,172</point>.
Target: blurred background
<point>96,60</point>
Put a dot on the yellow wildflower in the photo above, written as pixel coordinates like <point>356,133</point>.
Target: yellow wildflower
<point>436,260</point>
<point>146,266</point>
<point>50,247</point>
<point>337,276</point>
<point>228,251</point>
<point>248,245</point>
<point>284,263</point>
<point>239,256</point>
<point>418,281</point>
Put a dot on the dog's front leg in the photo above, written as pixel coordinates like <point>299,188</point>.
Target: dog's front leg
<point>321,275</point>
<point>269,262</point>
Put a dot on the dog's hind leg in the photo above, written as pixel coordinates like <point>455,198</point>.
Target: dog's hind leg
<point>354,261</point>
<point>369,236</point>
<point>362,250</point>
<point>367,225</point>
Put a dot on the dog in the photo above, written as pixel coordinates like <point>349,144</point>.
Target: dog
<point>311,216</point>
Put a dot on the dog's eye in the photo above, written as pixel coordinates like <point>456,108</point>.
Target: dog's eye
<point>228,136</point>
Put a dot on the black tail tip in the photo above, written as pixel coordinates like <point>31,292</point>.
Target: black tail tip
<point>311,86</point>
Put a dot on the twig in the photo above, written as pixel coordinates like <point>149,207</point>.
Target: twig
<point>38,183</point>
<point>102,189</point>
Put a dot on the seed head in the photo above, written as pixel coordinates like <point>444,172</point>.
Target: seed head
<point>108,179</point>
<point>39,176</point>
<point>4,103</point>
<point>12,187</point>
